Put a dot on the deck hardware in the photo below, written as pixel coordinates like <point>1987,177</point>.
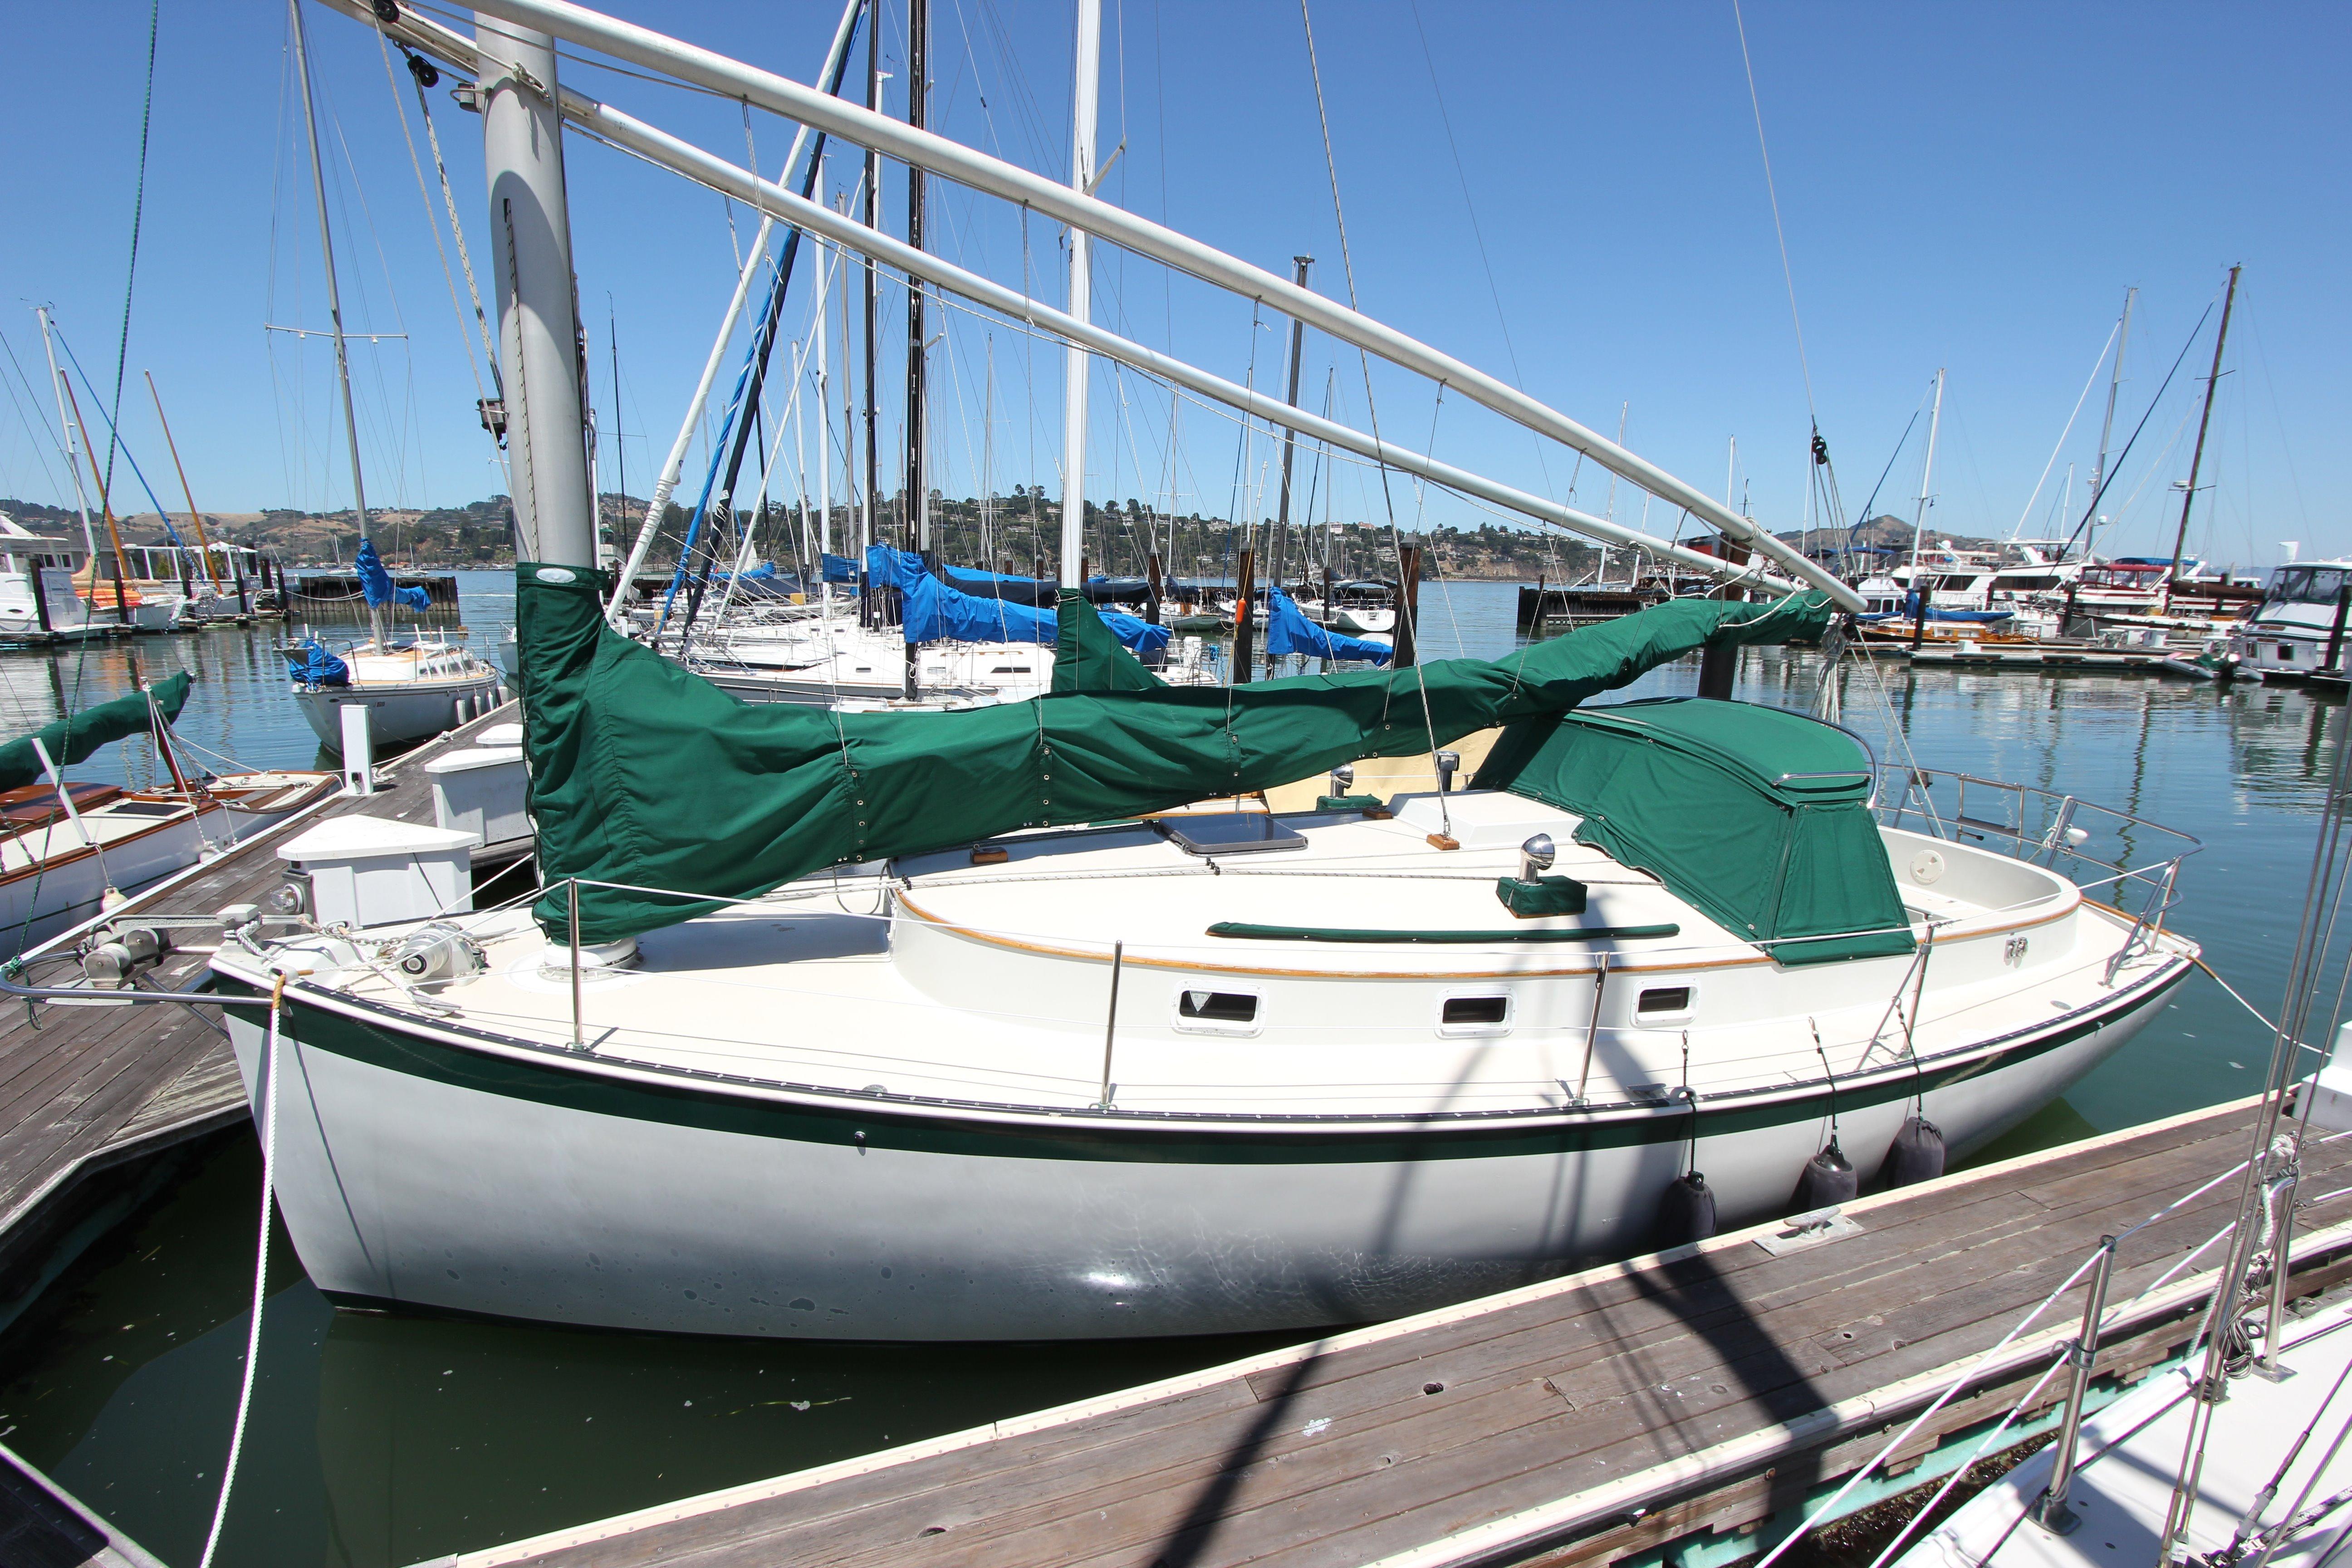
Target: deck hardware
<point>1811,1228</point>
<point>1593,1029</point>
<point>2266,1365</point>
<point>2012,952</point>
<point>571,890</point>
<point>990,855</point>
<point>1448,763</point>
<point>2050,1511</point>
<point>1110,1021</point>
<point>1443,841</point>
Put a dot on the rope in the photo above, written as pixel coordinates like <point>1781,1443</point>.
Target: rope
<point>1786,274</point>
<point>267,1078</point>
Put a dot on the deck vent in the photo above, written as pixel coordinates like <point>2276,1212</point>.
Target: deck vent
<point>1473,1012</point>
<point>1664,999</point>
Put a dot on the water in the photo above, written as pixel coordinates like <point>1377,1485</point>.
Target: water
<point>382,1441</point>
<point>238,709</point>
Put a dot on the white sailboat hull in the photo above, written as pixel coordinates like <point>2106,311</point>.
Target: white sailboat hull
<point>528,1183</point>
<point>398,712</point>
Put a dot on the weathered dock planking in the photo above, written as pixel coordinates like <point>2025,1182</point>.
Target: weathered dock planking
<point>44,1526</point>
<point>87,1092</point>
<point>1570,1422</point>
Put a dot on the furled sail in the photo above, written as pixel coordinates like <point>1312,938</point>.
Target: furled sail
<point>647,775</point>
<point>75,736</point>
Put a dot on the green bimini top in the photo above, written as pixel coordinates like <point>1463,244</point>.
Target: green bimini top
<point>645,774</point>
<point>1759,818</point>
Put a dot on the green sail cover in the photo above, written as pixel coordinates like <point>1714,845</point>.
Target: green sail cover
<point>1759,816</point>
<point>1088,657</point>
<point>73,738</point>
<point>642,774</point>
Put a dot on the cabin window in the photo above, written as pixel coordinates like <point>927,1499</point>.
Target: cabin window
<point>2286,653</point>
<point>1009,669</point>
<point>1474,1016</point>
<point>1217,1012</point>
<point>1660,1001</point>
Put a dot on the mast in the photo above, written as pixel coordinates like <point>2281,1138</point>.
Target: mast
<point>539,328</point>
<point>873,279</point>
<point>2188,495</point>
<point>196,517</point>
<point>1082,87</point>
<point>1927,485</point>
<point>1289,435</point>
<point>620,447</point>
<point>2106,429</point>
<point>67,422</point>
<point>919,92</point>
<point>334,295</point>
<point>824,419</point>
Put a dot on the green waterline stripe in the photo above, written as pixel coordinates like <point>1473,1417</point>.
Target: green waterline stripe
<point>882,1125</point>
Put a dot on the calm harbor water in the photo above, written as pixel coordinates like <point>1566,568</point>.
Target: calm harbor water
<point>384,1441</point>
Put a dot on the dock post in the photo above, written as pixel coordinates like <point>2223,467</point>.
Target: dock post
<point>359,748</point>
<point>2051,1511</point>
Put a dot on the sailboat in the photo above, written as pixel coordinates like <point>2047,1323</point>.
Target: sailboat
<point>892,1027</point>
<point>410,689</point>
<point>67,849</point>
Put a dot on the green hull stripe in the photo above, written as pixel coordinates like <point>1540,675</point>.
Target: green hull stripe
<point>882,1126</point>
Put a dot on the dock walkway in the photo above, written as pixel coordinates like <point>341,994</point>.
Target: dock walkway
<point>85,1091</point>
<point>1572,1422</point>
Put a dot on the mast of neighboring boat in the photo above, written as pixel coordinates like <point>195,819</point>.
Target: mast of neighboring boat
<point>620,447</point>
<point>918,510</point>
<point>81,497</point>
<point>2197,458</point>
<point>1086,70</point>
<point>196,517</point>
<point>1926,482</point>
<point>873,280</point>
<point>675,464</point>
<point>824,424</point>
<point>334,295</point>
<point>105,512</point>
<point>1289,434</point>
<point>2090,524</point>
<point>1601,577</point>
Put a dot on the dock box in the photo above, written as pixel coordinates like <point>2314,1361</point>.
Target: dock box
<point>367,871</point>
<point>481,791</point>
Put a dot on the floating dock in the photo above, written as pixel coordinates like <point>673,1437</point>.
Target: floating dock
<point>1703,1398</point>
<point>90,1093</point>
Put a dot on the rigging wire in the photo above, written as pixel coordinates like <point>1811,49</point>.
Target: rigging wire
<point>138,212</point>
<point>1407,602</point>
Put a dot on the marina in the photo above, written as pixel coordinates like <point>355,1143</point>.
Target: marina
<point>1218,1007</point>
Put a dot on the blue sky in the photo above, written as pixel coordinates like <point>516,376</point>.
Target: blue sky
<point>1969,187</point>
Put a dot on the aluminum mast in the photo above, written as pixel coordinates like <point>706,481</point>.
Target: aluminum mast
<point>334,299</point>
<point>1086,73</point>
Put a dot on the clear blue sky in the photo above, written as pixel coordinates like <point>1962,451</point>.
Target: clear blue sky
<point>1969,187</point>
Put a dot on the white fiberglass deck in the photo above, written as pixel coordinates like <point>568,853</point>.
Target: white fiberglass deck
<point>991,983</point>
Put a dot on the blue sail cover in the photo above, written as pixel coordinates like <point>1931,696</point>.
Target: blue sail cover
<point>377,582</point>
<point>933,612</point>
<point>1287,630</point>
<point>314,666</point>
<point>840,569</point>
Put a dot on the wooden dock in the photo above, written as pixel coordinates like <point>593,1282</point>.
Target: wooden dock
<point>1708,1392</point>
<point>87,1093</point>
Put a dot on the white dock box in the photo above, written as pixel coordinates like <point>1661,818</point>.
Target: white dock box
<point>480,790</point>
<point>368,871</point>
<point>2330,1088</point>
